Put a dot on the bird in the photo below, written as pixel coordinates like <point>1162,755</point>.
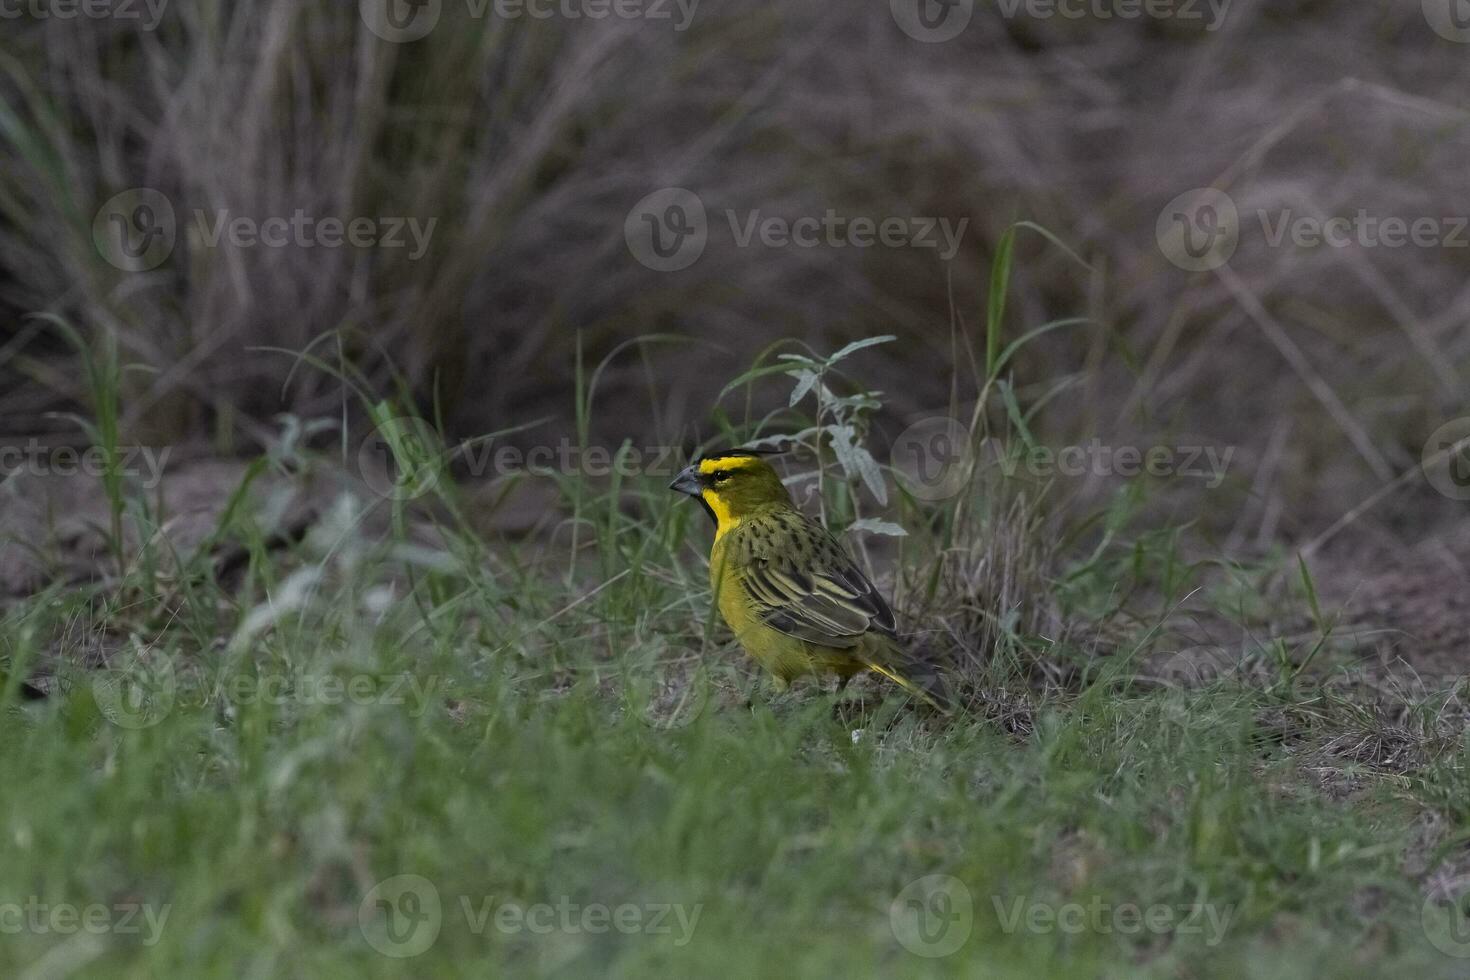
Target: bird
<point>796,601</point>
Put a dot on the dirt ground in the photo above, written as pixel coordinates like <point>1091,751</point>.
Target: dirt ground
<point>1398,616</point>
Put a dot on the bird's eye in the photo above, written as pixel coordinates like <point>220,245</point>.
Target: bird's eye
<point>721,477</point>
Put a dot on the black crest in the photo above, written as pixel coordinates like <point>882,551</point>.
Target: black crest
<point>738,453</point>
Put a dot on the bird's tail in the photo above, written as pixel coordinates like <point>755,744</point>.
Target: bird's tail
<point>922,680</point>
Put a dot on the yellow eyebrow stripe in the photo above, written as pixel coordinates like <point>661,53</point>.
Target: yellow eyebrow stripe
<point>720,463</point>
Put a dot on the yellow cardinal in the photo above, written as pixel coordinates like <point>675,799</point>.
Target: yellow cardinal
<point>795,600</point>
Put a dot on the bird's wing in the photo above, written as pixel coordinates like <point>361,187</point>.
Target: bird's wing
<point>803,584</point>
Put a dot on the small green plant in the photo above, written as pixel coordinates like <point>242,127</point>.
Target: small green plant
<point>838,430</point>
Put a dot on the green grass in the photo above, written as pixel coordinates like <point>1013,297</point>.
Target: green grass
<point>491,733</point>
<point>405,740</point>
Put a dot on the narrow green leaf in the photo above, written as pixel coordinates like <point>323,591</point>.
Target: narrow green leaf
<point>1000,279</point>
<point>1013,412</point>
<point>752,375</point>
<point>874,526</point>
<point>1311,590</point>
<point>858,345</point>
<point>1044,233</point>
<point>805,381</point>
<point>1015,346</point>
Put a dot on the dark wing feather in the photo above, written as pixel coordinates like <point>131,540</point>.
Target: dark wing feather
<point>803,584</point>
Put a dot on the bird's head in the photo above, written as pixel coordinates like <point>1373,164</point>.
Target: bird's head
<point>732,485</point>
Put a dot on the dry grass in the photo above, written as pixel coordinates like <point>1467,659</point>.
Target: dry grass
<point>528,142</point>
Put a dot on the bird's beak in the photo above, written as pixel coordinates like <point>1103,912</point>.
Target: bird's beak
<point>688,482</point>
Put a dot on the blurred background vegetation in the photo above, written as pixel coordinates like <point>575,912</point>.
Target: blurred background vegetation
<point>528,142</point>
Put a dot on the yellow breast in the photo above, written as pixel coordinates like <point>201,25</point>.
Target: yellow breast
<point>725,520</point>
